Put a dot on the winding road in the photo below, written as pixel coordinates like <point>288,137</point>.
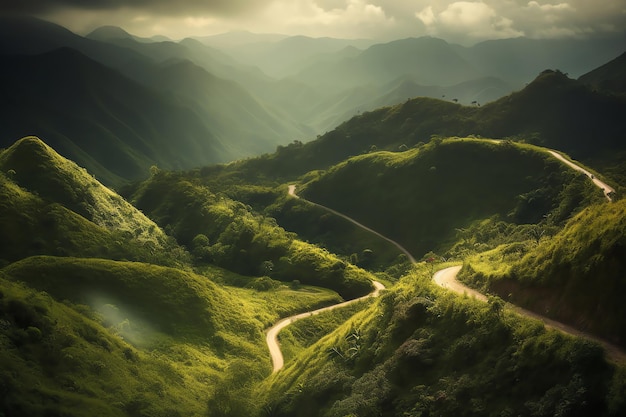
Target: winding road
<point>446,278</point>
<point>606,189</point>
<point>292,192</point>
<point>272,334</point>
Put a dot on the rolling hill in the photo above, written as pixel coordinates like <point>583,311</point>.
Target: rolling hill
<point>427,187</point>
<point>553,111</point>
<point>157,305</point>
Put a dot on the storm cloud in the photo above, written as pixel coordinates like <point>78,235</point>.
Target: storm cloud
<point>463,21</point>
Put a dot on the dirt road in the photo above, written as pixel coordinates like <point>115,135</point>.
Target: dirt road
<point>446,278</point>
<point>272,334</point>
<point>606,189</point>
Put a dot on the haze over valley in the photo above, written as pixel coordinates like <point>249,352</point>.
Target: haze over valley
<point>312,208</point>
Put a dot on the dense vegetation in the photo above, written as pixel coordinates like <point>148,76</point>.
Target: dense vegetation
<point>553,111</point>
<point>420,351</point>
<point>229,234</point>
<point>109,310</point>
<point>576,276</point>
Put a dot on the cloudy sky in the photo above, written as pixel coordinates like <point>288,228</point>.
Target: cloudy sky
<point>463,22</point>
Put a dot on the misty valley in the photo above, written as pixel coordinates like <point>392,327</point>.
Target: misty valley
<point>271,225</point>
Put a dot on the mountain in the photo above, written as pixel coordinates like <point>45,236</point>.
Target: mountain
<point>608,77</point>
<point>241,37</point>
<point>431,61</point>
<point>518,60</point>
<point>471,93</point>
<point>114,126</point>
<point>565,114</point>
<point>52,206</point>
<point>468,170</point>
<point>113,33</point>
<point>229,122</point>
<point>288,56</point>
<point>553,111</point>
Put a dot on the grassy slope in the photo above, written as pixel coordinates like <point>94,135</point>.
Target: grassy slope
<point>83,334</point>
<point>419,197</point>
<point>239,239</point>
<point>51,206</point>
<point>421,351</point>
<point>38,168</point>
<point>577,276</point>
<point>128,338</point>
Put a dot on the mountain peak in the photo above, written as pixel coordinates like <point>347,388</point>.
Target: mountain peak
<point>40,169</point>
<point>107,33</point>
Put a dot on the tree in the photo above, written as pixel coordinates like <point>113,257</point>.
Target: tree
<point>266,268</point>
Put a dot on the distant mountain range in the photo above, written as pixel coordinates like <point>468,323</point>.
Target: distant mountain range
<point>118,103</point>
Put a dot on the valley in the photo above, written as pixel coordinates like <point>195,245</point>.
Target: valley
<point>272,225</point>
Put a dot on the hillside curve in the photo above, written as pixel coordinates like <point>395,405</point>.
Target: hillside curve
<point>272,333</point>
<point>606,189</point>
<point>446,278</point>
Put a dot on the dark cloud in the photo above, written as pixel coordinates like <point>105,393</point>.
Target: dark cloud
<point>169,7</point>
<point>465,21</point>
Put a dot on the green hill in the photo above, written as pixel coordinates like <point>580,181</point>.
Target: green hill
<point>420,197</point>
<point>226,232</point>
<point>118,338</point>
<point>577,276</point>
<point>421,351</point>
<point>52,206</point>
<point>552,111</point>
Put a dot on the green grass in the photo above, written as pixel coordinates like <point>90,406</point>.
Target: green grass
<point>295,338</point>
<point>232,235</point>
<point>39,169</point>
<point>127,337</point>
<point>421,350</point>
<point>420,196</point>
<point>575,276</point>
<point>58,361</point>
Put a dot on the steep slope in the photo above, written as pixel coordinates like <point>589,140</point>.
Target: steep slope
<point>577,276</point>
<point>609,77</point>
<point>564,113</point>
<point>229,234</point>
<point>343,106</point>
<point>242,123</point>
<point>52,206</point>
